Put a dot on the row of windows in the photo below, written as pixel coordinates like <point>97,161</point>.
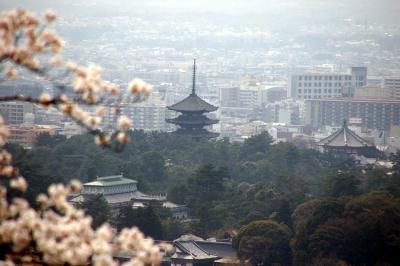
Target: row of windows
<point>325,84</point>
<point>325,77</point>
<point>113,189</point>
<point>315,96</point>
<point>319,91</point>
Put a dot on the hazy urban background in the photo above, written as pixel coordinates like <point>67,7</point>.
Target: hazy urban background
<point>303,117</point>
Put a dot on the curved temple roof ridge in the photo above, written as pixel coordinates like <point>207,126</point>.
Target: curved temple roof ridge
<point>344,137</point>
<point>193,103</point>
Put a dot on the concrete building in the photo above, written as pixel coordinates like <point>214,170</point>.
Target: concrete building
<point>376,92</point>
<point>285,133</point>
<point>25,135</point>
<point>251,93</point>
<point>276,94</point>
<point>287,112</point>
<point>394,85</point>
<point>13,113</point>
<point>120,192</point>
<point>373,113</point>
<point>229,96</point>
<point>322,85</point>
<point>148,115</point>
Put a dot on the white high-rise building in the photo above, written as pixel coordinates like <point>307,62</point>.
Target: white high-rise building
<point>394,85</point>
<point>331,85</point>
<point>148,115</point>
<point>250,94</point>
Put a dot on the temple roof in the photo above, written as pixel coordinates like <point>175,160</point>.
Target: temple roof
<point>219,249</point>
<point>191,120</point>
<point>344,137</point>
<point>111,181</point>
<point>193,103</point>
<point>189,250</point>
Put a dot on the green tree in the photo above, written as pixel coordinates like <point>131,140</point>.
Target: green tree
<point>145,219</point>
<point>306,219</point>
<point>178,193</point>
<point>358,231</point>
<point>264,243</point>
<point>206,185</point>
<point>97,207</point>
<point>256,145</point>
<point>172,229</point>
<point>342,184</point>
<point>45,139</point>
<point>153,167</point>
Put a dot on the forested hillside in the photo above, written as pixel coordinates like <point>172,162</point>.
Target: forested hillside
<point>307,206</point>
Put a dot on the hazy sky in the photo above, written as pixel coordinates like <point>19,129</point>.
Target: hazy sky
<point>371,10</point>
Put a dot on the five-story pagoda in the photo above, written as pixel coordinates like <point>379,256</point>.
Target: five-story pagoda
<point>192,119</point>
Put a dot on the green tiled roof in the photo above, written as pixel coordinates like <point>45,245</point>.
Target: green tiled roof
<point>111,181</point>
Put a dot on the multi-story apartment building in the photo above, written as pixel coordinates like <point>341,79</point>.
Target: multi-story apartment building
<point>148,115</point>
<point>229,96</point>
<point>394,85</point>
<point>321,85</point>
<point>378,114</point>
<point>376,92</point>
<point>250,94</point>
<point>13,112</point>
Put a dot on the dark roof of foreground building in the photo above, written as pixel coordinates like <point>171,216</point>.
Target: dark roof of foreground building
<point>344,137</point>
<point>193,103</point>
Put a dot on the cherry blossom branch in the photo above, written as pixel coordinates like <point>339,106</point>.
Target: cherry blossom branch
<point>58,232</point>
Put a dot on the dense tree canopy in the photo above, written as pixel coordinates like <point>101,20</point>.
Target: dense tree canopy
<point>360,231</point>
<point>264,243</point>
<point>327,206</point>
<point>97,207</point>
<point>145,219</point>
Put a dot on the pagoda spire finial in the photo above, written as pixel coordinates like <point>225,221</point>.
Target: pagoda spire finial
<point>194,77</point>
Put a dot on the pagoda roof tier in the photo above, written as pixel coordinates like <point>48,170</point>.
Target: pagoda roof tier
<point>192,103</point>
<point>192,120</point>
<point>344,137</point>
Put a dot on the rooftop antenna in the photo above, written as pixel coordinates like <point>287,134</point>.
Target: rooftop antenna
<point>194,77</point>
